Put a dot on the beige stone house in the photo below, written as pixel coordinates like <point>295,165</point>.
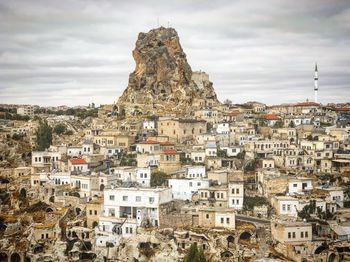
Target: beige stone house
<point>179,129</point>
<point>210,217</point>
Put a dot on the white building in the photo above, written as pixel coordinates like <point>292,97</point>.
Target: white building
<point>336,194</point>
<point>43,158</point>
<point>143,176</point>
<point>184,188</point>
<point>198,156</point>
<point>88,147</point>
<point>204,138</point>
<point>235,194</point>
<point>149,125</point>
<point>61,178</point>
<point>125,209</point>
<point>286,205</point>
<point>223,128</point>
<point>210,149</point>
<point>299,185</point>
<point>74,151</point>
<point>231,151</point>
<point>196,172</point>
<point>78,165</point>
<point>110,151</point>
<point>85,184</point>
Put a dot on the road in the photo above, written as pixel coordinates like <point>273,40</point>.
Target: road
<point>253,219</point>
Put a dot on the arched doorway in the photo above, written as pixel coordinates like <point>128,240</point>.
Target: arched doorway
<point>245,236</point>
<point>22,194</point>
<point>52,199</point>
<point>49,210</point>
<point>4,257</point>
<point>15,257</point>
<point>230,241</point>
<point>299,161</point>
<point>332,258</point>
<point>78,211</point>
<point>320,249</point>
<point>226,254</point>
<point>94,224</point>
<point>102,187</point>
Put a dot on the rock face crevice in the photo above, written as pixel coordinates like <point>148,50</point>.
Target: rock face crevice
<point>162,80</point>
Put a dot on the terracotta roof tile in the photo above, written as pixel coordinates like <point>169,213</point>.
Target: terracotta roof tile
<point>77,161</point>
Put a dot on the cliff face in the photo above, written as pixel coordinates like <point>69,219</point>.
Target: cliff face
<point>162,81</point>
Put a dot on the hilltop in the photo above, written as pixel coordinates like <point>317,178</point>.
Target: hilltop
<point>163,81</point>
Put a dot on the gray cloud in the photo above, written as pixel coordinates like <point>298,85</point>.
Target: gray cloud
<point>75,52</point>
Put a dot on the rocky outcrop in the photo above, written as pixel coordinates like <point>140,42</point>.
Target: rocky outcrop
<point>163,81</point>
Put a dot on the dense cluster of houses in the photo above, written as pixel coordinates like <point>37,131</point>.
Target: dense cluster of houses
<point>285,166</point>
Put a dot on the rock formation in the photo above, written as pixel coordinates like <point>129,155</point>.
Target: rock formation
<point>163,81</point>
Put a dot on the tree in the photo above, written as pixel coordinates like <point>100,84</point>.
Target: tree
<point>59,129</point>
<point>278,124</point>
<point>158,179</point>
<point>241,155</point>
<point>222,153</point>
<point>194,254</point>
<point>43,136</point>
<point>250,166</point>
<point>307,210</point>
<point>250,202</point>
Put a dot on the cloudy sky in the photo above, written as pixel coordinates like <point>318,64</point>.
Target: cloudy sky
<point>77,52</point>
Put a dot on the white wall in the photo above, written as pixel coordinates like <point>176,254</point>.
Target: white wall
<point>184,188</point>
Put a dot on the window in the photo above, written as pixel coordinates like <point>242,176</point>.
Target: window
<point>237,191</point>
<point>151,200</point>
<point>227,220</point>
<point>284,207</point>
<point>306,234</point>
<point>207,216</point>
<point>112,197</point>
<point>302,234</point>
<point>138,199</point>
<point>293,234</point>
<point>190,184</point>
<point>125,198</point>
<point>295,185</point>
<point>289,235</point>
<point>130,230</point>
<point>222,220</point>
<point>95,212</point>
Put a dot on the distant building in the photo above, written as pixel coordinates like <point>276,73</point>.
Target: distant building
<point>25,111</point>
